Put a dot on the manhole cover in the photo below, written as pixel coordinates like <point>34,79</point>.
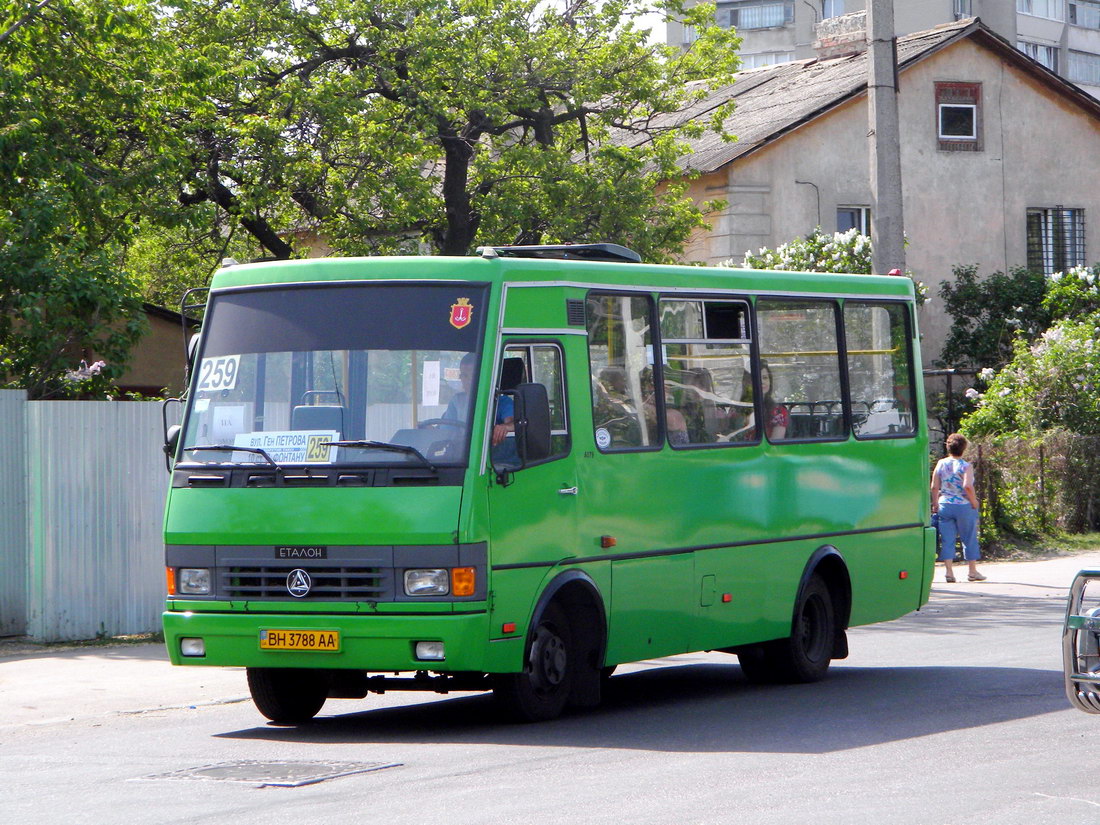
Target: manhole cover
<point>283,774</point>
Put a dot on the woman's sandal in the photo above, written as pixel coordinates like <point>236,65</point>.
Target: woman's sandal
<point>977,577</point>
<point>949,579</point>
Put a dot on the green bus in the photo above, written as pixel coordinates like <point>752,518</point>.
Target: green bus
<point>516,470</point>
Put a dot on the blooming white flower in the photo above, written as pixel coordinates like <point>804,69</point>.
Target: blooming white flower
<point>987,374</point>
<point>972,394</point>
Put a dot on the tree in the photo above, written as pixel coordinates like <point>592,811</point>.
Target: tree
<point>452,123</point>
<point>1053,383</point>
<point>1053,379</point>
<point>988,314</point>
<point>841,252</point>
<point>78,148</point>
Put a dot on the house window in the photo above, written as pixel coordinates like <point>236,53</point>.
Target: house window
<point>1047,55</point>
<point>1084,67</point>
<point>1085,13</point>
<point>959,117</point>
<point>854,217</point>
<point>832,8</point>
<point>1050,9</point>
<point>755,61</point>
<point>690,35</point>
<point>963,9</point>
<point>1055,239</point>
<point>755,14</point>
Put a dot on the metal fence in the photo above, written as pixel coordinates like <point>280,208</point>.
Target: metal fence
<point>81,508</point>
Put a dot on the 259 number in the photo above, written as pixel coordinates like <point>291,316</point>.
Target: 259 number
<point>218,373</point>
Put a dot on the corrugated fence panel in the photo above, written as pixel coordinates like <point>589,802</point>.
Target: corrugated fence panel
<point>13,514</point>
<point>95,504</point>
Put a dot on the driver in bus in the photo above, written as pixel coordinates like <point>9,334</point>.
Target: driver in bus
<point>458,409</point>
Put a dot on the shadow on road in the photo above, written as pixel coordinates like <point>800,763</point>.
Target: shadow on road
<point>710,707</point>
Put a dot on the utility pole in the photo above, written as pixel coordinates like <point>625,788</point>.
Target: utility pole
<point>887,226</point>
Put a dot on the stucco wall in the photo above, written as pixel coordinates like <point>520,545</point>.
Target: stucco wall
<point>960,207</point>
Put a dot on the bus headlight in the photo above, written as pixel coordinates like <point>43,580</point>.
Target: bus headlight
<point>194,581</point>
<point>433,582</point>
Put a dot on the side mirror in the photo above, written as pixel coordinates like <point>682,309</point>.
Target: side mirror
<point>171,440</point>
<point>532,420</point>
<point>171,433</point>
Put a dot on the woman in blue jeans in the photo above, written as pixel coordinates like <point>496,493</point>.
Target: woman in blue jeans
<point>954,499</point>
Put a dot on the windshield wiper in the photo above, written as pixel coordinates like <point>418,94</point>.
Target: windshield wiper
<point>382,445</point>
<point>229,447</point>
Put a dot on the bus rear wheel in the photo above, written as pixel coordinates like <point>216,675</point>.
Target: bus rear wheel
<point>805,655</point>
<point>540,691</point>
<point>287,696</point>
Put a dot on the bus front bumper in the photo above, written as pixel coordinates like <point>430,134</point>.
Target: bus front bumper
<point>378,642</point>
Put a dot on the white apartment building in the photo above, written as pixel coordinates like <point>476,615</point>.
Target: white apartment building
<point>1063,35</point>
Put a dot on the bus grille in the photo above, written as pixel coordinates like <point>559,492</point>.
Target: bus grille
<point>328,583</point>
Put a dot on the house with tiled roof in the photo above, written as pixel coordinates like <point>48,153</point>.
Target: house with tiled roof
<point>1000,159</point>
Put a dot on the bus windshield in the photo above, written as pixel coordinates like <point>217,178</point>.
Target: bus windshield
<point>375,374</point>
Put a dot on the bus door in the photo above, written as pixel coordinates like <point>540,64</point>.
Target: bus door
<point>533,513</point>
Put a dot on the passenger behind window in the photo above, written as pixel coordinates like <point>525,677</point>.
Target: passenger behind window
<point>613,412</point>
<point>677,426</point>
<point>777,418</point>
<point>704,421</point>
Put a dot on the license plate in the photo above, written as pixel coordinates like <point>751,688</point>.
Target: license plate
<point>319,640</point>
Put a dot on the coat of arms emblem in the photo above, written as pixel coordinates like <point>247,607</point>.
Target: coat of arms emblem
<point>461,313</point>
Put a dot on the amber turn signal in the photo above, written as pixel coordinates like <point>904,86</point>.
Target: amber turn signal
<point>608,541</point>
<point>170,575</point>
<point>463,581</point>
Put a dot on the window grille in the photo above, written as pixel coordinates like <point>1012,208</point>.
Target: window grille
<point>1055,239</point>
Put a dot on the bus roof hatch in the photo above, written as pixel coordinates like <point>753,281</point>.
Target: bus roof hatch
<point>581,252</point>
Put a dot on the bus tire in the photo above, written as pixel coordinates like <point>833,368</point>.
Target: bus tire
<point>287,696</point>
<point>805,655</point>
<point>539,693</point>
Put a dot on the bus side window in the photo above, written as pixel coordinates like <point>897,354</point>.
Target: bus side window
<point>879,368</point>
<point>707,382</point>
<point>620,347</point>
<point>800,370</point>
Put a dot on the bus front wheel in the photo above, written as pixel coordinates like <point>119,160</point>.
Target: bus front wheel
<point>287,696</point>
<point>540,691</point>
<point>805,655</point>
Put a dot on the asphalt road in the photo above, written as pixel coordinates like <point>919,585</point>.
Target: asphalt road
<point>952,715</point>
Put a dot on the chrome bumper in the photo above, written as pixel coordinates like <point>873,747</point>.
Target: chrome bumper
<point>1081,643</point>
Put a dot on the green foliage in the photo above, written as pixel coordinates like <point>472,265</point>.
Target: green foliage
<point>1049,384</point>
<point>988,314</point>
<point>452,123</point>
<point>76,150</point>
<point>818,252</point>
<point>841,252</point>
<point>1033,487</point>
<point>1073,293</point>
